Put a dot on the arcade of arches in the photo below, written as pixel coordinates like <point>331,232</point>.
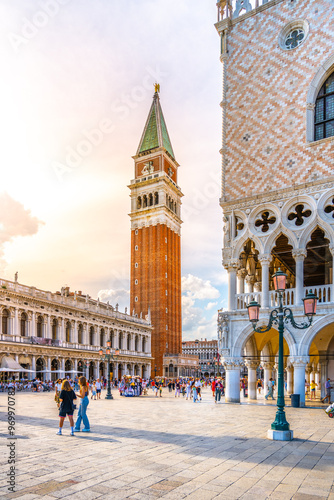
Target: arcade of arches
<point>308,353</point>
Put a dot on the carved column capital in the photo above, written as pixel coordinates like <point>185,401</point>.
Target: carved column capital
<point>265,259</point>
<point>299,254</point>
<point>267,365</point>
<point>242,273</point>
<point>231,265</point>
<point>251,364</point>
<point>299,361</point>
<point>233,363</point>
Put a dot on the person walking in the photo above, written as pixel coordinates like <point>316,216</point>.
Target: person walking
<point>270,389</point>
<point>82,415</point>
<point>198,385</point>
<point>188,390</point>
<point>213,387</point>
<point>66,398</point>
<point>328,391</point>
<point>194,389</point>
<point>93,390</point>
<point>218,391</point>
<point>98,385</point>
<point>313,386</point>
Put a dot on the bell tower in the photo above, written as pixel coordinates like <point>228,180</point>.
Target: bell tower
<point>156,236</point>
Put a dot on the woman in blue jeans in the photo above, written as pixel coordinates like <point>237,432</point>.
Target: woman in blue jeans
<point>82,416</point>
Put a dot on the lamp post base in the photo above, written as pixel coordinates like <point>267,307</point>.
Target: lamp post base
<point>109,396</point>
<point>280,435</point>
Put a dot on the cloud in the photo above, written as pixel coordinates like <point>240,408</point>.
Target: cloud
<point>117,296</point>
<point>198,288</point>
<point>196,323</point>
<point>15,220</point>
<point>210,305</point>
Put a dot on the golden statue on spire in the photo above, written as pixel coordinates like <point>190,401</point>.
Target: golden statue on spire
<point>157,88</point>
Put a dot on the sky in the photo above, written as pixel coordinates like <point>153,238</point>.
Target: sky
<point>76,88</point>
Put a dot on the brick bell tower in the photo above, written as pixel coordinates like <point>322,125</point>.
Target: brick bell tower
<point>156,236</point>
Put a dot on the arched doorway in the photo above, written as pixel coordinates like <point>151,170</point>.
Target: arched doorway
<point>24,325</point>
<point>68,368</point>
<point>55,365</point>
<point>102,369</point>
<point>91,370</point>
<point>54,329</point>
<point>120,371</point>
<point>40,366</point>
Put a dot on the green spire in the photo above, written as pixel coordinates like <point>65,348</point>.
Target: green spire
<point>155,133</point>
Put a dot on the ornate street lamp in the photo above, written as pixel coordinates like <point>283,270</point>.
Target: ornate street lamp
<point>280,428</point>
<point>107,357</point>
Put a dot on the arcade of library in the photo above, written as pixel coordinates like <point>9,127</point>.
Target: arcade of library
<point>56,334</point>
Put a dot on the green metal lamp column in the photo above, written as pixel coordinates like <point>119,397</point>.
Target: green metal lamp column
<point>280,423</point>
<point>109,395</point>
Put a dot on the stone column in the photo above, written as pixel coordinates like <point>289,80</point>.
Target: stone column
<point>116,339</point>
<point>250,281</point>
<point>48,367</point>
<point>323,363</point>
<point>33,366</point>
<point>232,379</point>
<point>33,332</point>
<point>75,365</point>
<point>299,365</point>
<point>241,275</point>
<point>289,380</point>
<point>74,325</point>
<point>16,323</point>
<point>62,330</point>
<point>96,369</point>
<point>265,260</point>
<point>115,370</point>
<point>299,256</point>
<point>62,367</point>
<point>308,371</point>
<point>48,327</point>
<point>317,376</point>
<point>252,366</point>
<point>268,373</point>
<point>232,284</point>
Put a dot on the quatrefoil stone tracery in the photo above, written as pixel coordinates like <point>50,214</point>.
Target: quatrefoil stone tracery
<point>299,215</point>
<point>330,208</point>
<point>265,222</point>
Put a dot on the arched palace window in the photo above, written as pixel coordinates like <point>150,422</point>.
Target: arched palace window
<point>324,110</point>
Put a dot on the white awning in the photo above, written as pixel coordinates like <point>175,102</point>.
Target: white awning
<point>8,364</point>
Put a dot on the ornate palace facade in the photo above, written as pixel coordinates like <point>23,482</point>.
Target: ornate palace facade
<point>58,334</point>
<point>277,183</point>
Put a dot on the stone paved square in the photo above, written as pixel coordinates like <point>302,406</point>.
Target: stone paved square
<point>148,447</point>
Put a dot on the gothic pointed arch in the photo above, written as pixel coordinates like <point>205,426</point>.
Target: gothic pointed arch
<point>271,241</point>
<point>248,236</point>
<point>317,223</point>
